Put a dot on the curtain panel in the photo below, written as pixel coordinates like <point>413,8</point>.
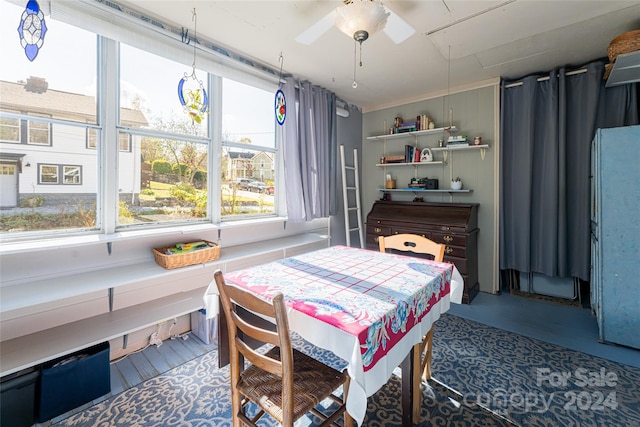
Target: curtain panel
<point>547,126</point>
<point>309,146</point>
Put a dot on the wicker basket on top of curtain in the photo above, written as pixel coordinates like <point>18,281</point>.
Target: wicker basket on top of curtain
<point>624,43</point>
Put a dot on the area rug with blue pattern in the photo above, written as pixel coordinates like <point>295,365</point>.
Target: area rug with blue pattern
<point>482,376</point>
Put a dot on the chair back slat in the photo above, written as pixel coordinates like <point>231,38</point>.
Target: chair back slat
<point>412,243</point>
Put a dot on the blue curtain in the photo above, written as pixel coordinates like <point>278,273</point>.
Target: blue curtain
<point>547,126</point>
<point>309,147</point>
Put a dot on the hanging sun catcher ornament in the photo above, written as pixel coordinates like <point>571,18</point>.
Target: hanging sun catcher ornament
<point>281,102</point>
<point>191,91</point>
<point>32,29</point>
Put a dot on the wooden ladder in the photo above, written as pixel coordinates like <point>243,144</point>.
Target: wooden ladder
<point>348,209</point>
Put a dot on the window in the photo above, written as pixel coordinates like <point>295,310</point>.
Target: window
<point>9,130</point>
<point>248,140</point>
<point>163,178</point>
<point>38,133</point>
<point>45,106</point>
<point>124,142</point>
<point>48,174</point>
<point>92,138</point>
<point>71,174</point>
<point>164,158</point>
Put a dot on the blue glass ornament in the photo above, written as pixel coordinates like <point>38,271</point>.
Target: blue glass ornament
<point>32,29</point>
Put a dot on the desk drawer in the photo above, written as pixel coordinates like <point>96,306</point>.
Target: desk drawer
<point>455,251</point>
<point>450,239</point>
<point>462,264</point>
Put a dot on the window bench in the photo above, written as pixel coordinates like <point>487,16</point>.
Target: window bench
<point>39,317</point>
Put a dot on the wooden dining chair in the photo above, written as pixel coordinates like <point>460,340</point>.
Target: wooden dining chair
<point>422,351</point>
<point>283,382</point>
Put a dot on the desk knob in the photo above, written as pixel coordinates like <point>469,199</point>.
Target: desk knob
<point>447,239</point>
<point>448,250</point>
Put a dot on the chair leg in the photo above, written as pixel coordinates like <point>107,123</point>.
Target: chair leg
<point>348,421</point>
<point>428,341</point>
<point>421,370</point>
<point>416,405</point>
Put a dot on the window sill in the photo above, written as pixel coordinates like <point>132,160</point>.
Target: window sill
<point>40,245</point>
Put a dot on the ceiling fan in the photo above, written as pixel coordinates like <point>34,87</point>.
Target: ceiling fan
<point>360,19</point>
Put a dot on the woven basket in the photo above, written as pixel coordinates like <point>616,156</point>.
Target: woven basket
<point>189,258</point>
<point>624,43</point>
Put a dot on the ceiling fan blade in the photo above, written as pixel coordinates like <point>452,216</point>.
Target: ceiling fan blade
<point>397,29</point>
<point>314,32</point>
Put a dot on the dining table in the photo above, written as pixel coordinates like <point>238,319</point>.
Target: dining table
<point>367,307</point>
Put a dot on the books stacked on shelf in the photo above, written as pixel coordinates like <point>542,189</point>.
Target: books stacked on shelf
<point>411,154</point>
<point>423,122</point>
<point>394,159</point>
<point>457,140</point>
<point>406,127</point>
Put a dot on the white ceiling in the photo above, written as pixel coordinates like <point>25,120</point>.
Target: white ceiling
<point>475,40</point>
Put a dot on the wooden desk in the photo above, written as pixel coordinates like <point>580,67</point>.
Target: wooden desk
<point>452,224</point>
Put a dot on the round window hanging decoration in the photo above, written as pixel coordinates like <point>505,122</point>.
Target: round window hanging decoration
<point>281,102</point>
<point>281,107</point>
<point>32,29</point>
<point>191,92</point>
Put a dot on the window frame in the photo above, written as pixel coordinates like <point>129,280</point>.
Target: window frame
<point>65,174</point>
<point>30,131</point>
<point>107,126</point>
<point>18,126</point>
<point>41,166</point>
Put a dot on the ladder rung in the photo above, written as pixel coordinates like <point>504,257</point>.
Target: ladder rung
<point>352,208</point>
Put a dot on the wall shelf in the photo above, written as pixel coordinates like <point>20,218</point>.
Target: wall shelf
<point>410,164</point>
<point>418,190</point>
<point>414,133</point>
<point>461,147</point>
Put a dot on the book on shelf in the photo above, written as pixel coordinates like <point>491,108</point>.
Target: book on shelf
<point>411,154</point>
<point>404,130</point>
<point>399,158</point>
<point>457,139</point>
<point>408,153</point>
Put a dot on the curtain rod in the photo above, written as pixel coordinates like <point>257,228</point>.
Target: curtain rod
<point>542,79</point>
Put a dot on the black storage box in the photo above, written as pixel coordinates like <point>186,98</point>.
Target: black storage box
<point>73,380</point>
<point>18,390</point>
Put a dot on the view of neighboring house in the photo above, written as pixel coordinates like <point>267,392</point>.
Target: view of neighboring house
<point>252,165</point>
<point>57,158</point>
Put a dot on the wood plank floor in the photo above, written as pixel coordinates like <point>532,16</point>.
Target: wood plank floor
<point>153,361</point>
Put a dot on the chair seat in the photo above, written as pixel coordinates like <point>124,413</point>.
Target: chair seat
<point>313,382</point>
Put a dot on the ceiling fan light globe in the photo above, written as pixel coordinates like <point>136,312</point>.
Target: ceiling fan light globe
<point>368,16</point>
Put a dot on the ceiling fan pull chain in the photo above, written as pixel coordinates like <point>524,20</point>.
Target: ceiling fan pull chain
<point>355,47</point>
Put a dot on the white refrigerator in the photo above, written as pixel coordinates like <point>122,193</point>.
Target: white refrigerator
<point>615,234</point>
